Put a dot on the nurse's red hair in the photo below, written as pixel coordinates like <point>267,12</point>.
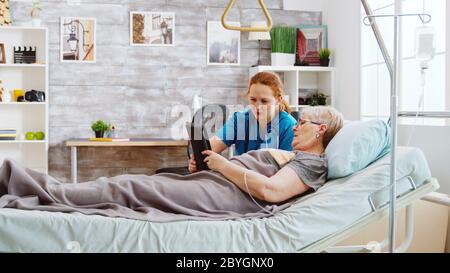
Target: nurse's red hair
<point>273,81</point>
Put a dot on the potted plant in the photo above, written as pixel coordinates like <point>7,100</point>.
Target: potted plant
<point>34,13</point>
<point>100,127</point>
<point>283,41</point>
<point>324,56</point>
<point>317,99</point>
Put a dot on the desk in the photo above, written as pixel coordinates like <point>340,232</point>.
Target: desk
<point>142,142</point>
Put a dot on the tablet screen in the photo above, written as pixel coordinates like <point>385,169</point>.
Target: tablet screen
<point>199,143</point>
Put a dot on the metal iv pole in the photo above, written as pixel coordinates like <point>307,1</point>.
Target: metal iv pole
<point>392,65</point>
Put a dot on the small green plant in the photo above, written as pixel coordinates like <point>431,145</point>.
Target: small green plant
<point>324,53</point>
<point>35,8</point>
<point>100,126</point>
<point>317,99</point>
<point>283,39</point>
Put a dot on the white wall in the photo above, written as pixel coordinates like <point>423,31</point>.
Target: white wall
<point>344,40</point>
<point>344,35</point>
<point>304,5</point>
<point>448,58</point>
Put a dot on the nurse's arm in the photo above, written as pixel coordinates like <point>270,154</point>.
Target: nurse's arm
<point>217,145</point>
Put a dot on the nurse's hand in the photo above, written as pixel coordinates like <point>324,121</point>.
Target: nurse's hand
<point>214,160</point>
<point>192,165</point>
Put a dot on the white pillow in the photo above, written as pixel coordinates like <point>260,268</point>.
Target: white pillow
<point>356,145</point>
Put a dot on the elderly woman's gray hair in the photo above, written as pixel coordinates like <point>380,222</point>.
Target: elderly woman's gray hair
<point>326,115</point>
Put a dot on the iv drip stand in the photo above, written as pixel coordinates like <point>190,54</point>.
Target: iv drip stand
<point>392,65</point>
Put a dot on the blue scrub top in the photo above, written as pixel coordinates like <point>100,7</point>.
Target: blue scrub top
<point>278,133</point>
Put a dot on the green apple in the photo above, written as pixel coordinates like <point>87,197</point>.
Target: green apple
<point>40,135</point>
<point>29,136</point>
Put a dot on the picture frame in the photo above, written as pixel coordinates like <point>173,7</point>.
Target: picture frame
<point>78,40</point>
<point>223,46</point>
<point>150,28</point>
<point>5,15</point>
<point>2,53</point>
<point>311,38</point>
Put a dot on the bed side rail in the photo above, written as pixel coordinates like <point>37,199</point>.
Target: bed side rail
<point>405,199</point>
<point>380,197</point>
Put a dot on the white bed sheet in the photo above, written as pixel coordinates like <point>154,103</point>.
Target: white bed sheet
<point>333,208</point>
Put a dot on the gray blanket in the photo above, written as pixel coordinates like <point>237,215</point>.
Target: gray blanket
<point>157,198</point>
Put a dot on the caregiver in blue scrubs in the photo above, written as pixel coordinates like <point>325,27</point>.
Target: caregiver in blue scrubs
<point>266,123</point>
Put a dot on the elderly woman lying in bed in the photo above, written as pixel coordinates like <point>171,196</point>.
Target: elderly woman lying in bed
<point>254,184</point>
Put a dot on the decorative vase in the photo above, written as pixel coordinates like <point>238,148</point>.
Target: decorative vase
<point>99,134</point>
<point>324,62</point>
<point>110,134</point>
<point>282,59</point>
<point>7,97</point>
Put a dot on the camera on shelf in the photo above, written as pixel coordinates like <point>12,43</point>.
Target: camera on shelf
<point>35,96</point>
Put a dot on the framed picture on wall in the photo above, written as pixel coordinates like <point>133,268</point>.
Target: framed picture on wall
<point>152,28</point>
<point>223,45</point>
<point>5,16</point>
<point>78,40</point>
<point>309,40</point>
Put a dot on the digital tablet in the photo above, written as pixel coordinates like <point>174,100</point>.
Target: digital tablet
<point>199,142</point>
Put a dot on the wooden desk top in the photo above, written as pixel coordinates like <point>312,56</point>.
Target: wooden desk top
<point>147,142</point>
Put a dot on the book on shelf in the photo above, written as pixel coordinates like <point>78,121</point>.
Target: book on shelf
<point>108,139</point>
<point>7,138</point>
<point>8,134</point>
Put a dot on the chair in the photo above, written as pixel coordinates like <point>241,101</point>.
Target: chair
<point>211,113</point>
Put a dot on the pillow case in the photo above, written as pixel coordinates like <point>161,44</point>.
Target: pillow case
<point>356,145</point>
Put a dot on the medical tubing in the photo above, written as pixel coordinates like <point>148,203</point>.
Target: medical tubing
<point>419,106</point>
<point>248,191</point>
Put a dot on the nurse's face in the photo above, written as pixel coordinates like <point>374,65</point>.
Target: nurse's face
<point>262,102</point>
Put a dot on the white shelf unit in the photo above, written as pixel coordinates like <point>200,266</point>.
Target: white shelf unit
<point>303,77</point>
<point>24,65</point>
<point>25,116</point>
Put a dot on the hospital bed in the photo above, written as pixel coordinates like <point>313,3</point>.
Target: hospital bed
<point>315,223</point>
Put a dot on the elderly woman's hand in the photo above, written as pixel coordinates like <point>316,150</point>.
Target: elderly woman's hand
<point>192,165</point>
<point>214,160</point>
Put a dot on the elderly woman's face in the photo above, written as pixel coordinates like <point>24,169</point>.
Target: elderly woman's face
<point>305,134</point>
